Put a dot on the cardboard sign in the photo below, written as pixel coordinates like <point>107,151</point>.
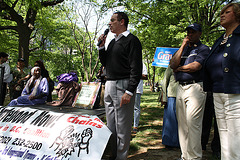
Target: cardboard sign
<point>87,95</point>
<point>33,134</point>
<point>162,56</point>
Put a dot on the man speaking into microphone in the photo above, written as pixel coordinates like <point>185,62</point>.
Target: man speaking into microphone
<point>123,62</point>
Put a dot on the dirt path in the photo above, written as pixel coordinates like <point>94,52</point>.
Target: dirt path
<point>161,153</point>
<point>156,153</point>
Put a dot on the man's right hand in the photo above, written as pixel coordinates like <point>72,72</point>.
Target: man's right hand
<point>185,41</point>
<point>176,59</point>
<point>103,38</point>
<point>126,98</point>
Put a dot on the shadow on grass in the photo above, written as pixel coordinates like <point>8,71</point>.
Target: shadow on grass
<point>151,113</point>
<point>147,143</point>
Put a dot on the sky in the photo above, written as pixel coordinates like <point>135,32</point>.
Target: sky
<point>106,20</point>
<point>82,9</point>
<point>104,23</point>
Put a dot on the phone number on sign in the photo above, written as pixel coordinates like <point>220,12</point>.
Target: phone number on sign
<point>21,142</point>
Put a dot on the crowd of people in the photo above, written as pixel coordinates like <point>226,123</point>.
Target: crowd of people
<point>208,78</point>
<point>26,87</point>
<point>204,82</point>
<point>199,84</point>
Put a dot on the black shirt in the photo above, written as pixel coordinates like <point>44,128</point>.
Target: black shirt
<point>123,59</point>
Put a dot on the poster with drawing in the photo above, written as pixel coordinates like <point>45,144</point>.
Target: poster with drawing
<point>33,134</point>
<point>87,95</point>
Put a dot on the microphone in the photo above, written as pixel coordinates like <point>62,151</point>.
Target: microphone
<point>105,33</point>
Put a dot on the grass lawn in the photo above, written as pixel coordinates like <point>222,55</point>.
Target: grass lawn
<point>150,124</point>
<point>147,143</point>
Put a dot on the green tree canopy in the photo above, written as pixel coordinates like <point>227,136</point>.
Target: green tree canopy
<point>162,23</point>
<point>18,17</point>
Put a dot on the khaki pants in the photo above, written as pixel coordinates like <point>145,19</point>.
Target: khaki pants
<point>190,103</point>
<point>227,109</point>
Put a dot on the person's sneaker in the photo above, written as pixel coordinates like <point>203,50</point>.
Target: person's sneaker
<point>135,130</point>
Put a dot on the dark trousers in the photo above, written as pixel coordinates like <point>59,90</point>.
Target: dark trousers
<point>4,90</point>
<point>208,116</point>
<point>51,88</point>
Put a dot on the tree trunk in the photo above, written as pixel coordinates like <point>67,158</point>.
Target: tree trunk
<point>24,37</point>
<point>153,80</point>
<point>25,26</point>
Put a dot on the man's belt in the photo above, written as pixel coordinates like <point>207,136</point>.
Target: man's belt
<point>188,82</point>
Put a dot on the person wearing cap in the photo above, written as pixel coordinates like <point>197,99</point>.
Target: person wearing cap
<point>20,75</point>
<point>222,77</point>
<point>190,101</point>
<point>6,76</point>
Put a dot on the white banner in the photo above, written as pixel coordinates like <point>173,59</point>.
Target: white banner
<point>31,134</point>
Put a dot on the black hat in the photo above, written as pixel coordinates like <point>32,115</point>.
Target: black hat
<point>195,26</point>
<point>21,59</point>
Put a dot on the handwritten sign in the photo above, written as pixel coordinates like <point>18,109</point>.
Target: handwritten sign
<point>162,56</point>
<point>87,95</point>
<point>33,134</point>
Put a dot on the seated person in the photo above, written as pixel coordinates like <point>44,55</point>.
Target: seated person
<point>35,91</point>
<point>45,74</point>
<point>20,75</point>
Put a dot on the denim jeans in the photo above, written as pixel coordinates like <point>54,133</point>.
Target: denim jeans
<point>137,109</point>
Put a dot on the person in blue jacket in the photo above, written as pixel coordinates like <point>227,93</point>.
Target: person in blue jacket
<point>222,77</point>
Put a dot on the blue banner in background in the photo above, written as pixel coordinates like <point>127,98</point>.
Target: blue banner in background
<point>162,56</point>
